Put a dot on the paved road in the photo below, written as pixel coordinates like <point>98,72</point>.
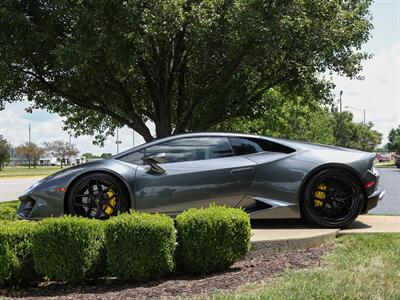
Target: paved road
<point>10,189</point>
<point>390,182</point>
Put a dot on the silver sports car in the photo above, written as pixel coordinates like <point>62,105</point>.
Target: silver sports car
<point>267,177</point>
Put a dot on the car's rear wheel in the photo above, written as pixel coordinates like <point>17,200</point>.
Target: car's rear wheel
<point>97,195</point>
<point>333,198</point>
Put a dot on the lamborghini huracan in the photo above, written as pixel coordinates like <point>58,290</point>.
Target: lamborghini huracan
<point>267,177</point>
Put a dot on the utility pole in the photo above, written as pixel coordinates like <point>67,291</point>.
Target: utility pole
<point>364,112</point>
<point>70,135</point>
<point>118,142</point>
<point>29,130</point>
<point>340,101</point>
<point>133,138</point>
<point>364,116</point>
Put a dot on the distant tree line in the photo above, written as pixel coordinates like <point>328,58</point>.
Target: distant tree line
<point>32,153</point>
<point>394,140</point>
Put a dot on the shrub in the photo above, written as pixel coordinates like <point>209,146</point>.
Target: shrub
<point>140,246</point>
<point>16,263</point>
<point>68,248</point>
<point>211,239</point>
<point>8,213</point>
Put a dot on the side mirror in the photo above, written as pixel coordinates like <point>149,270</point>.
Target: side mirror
<point>153,161</point>
<point>158,158</point>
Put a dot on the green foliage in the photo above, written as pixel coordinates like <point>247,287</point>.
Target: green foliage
<point>394,140</point>
<point>4,151</point>
<point>16,263</point>
<point>184,65</point>
<point>140,246</point>
<point>355,135</point>
<point>211,239</point>
<point>8,213</point>
<point>289,117</point>
<point>68,248</point>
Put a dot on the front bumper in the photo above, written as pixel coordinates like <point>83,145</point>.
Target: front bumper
<point>372,200</point>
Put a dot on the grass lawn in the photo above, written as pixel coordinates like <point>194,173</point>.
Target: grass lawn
<point>25,171</point>
<point>363,266</point>
<point>388,164</point>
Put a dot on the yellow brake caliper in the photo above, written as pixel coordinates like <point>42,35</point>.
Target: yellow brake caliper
<point>320,195</point>
<point>112,202</point>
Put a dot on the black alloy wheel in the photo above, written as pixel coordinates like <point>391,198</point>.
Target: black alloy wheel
<point>333,198</point>
<point>98,196</point>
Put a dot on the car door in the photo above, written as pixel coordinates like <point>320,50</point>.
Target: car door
<point>197,171</point>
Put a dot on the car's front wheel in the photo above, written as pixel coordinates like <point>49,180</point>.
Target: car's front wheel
<point>333,198</point>
<point>97,195</point>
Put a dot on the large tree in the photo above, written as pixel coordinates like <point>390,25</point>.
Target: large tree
<point>31,152</point>
<point>181,64</point>
<point>4,151</point>
<point>61,150</point>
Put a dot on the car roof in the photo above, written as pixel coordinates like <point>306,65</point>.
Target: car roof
<point>283,142</point>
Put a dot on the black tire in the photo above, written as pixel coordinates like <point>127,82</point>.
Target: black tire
<point>84,200</point>
<point>342,199</point>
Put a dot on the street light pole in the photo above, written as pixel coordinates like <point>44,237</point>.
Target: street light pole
<point>118,142</point>
<point>364,116</point>
<point>359,109</point>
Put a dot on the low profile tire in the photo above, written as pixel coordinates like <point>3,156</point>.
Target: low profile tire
<point>98,196</point>
<point>333,198</point>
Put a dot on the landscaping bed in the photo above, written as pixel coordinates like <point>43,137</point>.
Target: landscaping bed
<point>241,273</point>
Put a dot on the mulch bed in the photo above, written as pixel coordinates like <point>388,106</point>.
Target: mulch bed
<point>241,273</point>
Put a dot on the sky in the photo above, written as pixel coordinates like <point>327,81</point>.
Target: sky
<point>378,93</point>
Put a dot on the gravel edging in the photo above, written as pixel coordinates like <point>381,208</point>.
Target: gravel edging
<point>254,270</point>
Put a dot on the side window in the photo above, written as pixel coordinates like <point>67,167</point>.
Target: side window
<point>185,149</point>
<point>189,149</point>
<point>134,157</point>
<point>242,146</point>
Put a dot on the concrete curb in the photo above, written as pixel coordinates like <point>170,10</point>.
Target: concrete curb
<point>265,248</point>
<point>267,240</point>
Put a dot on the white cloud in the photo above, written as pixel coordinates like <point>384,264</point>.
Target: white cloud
<point>378,93</point>
<point>14,124</point>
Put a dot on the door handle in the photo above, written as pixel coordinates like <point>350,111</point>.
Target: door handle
<point>246,169</point>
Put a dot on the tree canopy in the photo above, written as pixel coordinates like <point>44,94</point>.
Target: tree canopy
<point>307,120</point>
<point>184,65</point>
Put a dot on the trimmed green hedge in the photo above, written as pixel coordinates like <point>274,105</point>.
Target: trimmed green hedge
<point>16,263</point>
<point>212,239</point>
<point>136,246</point>
<point>8,211</point>
<point>68,248</point>
<point>140,246</point>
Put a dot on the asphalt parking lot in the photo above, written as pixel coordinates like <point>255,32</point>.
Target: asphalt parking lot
<point>390,182</point>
